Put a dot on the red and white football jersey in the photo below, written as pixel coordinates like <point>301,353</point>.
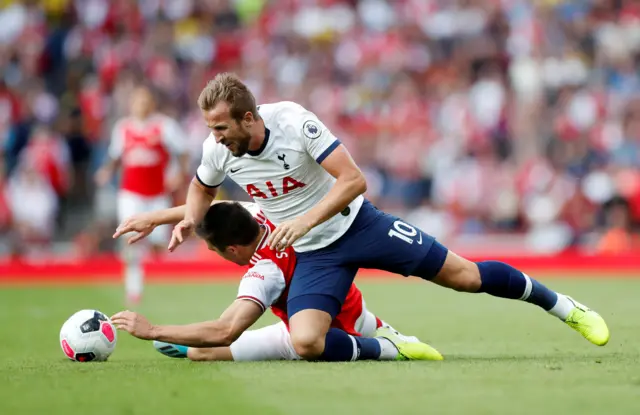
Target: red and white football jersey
<point>267,281</point>
<point>145,150</point>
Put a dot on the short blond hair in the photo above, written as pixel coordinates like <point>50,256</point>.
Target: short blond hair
<point>227,87</point>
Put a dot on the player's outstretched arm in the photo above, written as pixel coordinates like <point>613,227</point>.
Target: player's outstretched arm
<point>143,224</point>
<point>199,199</point>
<point>350,183</point>
<point>218,333</point>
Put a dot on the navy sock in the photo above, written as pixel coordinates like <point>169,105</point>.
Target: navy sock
<point>542,296</point>
<point>368,348</point>
<point>502,280</point>
<point>341,347</point>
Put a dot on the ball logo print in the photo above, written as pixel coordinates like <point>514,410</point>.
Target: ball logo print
<point>107,330</point>
<point>68,351</point>
<point>312,130</point>
<point>93,324</point>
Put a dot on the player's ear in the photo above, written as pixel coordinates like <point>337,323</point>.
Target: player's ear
<point>248,117</point>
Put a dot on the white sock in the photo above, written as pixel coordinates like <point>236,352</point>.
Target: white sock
<point>563,307</point>
<point>133,278</point>
<point>388,351</point>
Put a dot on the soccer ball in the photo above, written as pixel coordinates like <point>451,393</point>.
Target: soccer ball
<point>87,336</point>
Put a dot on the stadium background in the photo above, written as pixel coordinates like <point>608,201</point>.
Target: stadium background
<point>505,128</point>
<point>509,129</point>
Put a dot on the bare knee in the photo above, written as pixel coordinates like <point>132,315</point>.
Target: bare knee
<point>308,329</point>
<point>459,274</point>
<point>308,345</point>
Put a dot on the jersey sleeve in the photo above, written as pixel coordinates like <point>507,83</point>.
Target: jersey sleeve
<point>316,138</point>
<point>263,284</point>
<point>116,144</point>
<point>209,173</point>
<point>173,136</point>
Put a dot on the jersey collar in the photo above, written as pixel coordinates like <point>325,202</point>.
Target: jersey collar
<point>263,242</point>
<point>256,153</point>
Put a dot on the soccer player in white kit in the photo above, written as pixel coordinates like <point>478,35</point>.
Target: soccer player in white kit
<point>305,182</point>
<point>238,233</point>
<point>143,145</point>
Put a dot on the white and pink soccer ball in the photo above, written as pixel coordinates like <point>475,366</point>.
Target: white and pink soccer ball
<point>87,336</point>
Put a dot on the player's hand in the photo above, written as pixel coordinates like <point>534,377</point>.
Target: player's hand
<point>136,324</point>
<point>141,224</point>
<point>180,233</point>
<point>285,234</point>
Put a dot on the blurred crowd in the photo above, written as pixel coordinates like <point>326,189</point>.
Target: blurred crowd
<point>469,117</point>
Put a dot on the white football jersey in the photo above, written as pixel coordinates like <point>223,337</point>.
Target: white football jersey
<point>263,284</point>
<point>284,177</point>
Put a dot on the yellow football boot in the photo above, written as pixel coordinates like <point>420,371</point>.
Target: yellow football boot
<point>409,348</point>
<point>588,323</point>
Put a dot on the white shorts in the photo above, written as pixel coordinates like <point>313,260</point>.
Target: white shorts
<point>130,204</point>
<point>274,342</point>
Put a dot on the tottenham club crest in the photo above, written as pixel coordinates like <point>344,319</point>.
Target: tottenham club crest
<point>311,129</point>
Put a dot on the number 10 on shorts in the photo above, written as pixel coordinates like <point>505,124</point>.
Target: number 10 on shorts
<point>405,232</point>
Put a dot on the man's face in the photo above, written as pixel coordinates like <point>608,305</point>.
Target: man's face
<point>227,131</point>
<point>141,103</point>
<point>236,254</point>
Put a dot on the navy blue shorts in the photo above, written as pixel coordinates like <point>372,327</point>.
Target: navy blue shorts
<point>376,240</point>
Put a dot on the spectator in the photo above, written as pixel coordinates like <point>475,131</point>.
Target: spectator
<point>5,214</point>
<point>494,116</point>
<point>617,237</point>
<point>33,204</point>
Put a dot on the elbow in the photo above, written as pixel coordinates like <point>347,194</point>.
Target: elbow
<point>360,183</point>
<point>226,341</point>
<point>227,336</point>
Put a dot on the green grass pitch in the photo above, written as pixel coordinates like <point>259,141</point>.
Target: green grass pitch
<point>501,358</point>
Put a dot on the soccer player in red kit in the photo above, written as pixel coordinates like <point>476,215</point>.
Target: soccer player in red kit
<point>143,146</point>
<point>239,233</point>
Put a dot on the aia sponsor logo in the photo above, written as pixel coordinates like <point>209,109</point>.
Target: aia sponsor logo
<point>288,184</point>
